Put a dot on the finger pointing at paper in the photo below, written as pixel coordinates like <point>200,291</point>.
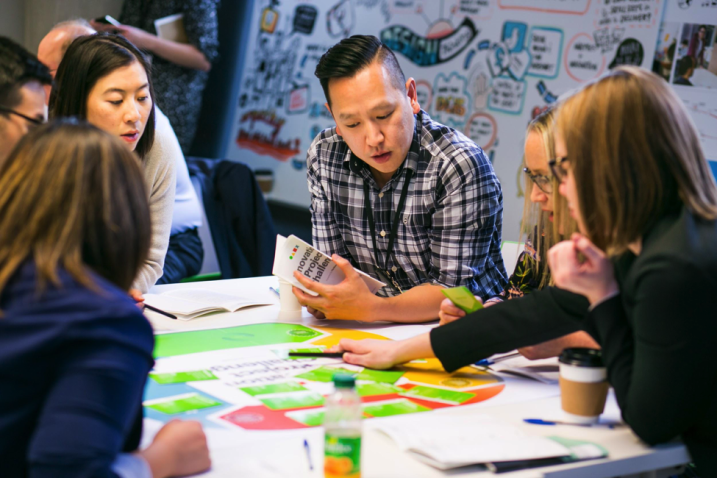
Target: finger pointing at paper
<point>350,299</point>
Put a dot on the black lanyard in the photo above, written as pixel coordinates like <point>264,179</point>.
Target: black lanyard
<point>394,225</point>
<point>396,218</point>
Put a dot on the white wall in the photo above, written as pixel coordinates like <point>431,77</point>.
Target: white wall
<point>12,20</point>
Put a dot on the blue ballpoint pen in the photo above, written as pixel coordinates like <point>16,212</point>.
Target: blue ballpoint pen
<point>540,421</point>
<point>487,362</point>
<point>274,291</point>
<point>308,454</point>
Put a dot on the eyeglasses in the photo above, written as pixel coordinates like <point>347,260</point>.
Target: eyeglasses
<point>544,183</point>
<point>33,121</point>
<point>558,167</point>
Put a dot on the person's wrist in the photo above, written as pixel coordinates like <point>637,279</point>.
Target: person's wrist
<point>602,294</point>
<point>158,459</point>
<point>376,308</point>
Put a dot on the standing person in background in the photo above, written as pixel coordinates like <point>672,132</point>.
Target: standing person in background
<point>74,349</point>
<point>22,94</point>
<point>546,221</point>
<point>697,46</point>
<point>106,80</point>
<point>179,70</point>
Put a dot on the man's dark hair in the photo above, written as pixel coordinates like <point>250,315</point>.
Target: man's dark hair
<point>90,58</point>
<point>684,65</point>
<point>18,67</point>
<point>353,54</point>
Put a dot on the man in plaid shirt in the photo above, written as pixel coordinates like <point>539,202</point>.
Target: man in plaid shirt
<point>407,200</point>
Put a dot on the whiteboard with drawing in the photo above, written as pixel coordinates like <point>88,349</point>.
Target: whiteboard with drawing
<point>484,67</point>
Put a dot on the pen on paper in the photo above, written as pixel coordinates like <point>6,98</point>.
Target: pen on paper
<point>154,309</point>
<point>317,354</point>
<point>540,421</point>
<point>274,291</point>
<point>307,449</point>
<point>487,362</point>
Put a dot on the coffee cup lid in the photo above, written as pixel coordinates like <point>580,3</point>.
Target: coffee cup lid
<point>582,357</point>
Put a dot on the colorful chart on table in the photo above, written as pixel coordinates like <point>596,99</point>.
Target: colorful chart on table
<point>240,377</point>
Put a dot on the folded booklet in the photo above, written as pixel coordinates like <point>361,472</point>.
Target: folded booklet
<point>451,441</point>
<point>293,254</point>
<point>186,304</point>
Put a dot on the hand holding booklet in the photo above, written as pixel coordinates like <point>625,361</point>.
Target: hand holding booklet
<point>293,254</point>
<point>186,304</point>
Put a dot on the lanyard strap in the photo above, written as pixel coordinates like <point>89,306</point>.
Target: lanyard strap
<point>394,223</point>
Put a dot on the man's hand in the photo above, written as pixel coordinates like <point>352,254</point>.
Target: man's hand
<point>349,300</point>
<point>383,354</point>
<point>449,312</point>
<point>594,277</point>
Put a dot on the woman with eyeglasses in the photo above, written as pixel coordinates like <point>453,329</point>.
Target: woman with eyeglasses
<point>642,193</point>
<point>546,221</point>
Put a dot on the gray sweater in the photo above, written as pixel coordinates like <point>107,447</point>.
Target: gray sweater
<point>160,178</point>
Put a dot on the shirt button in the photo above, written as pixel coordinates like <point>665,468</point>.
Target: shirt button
<point>383,233</point>
<point>394,268</point>
<point>380,195</point>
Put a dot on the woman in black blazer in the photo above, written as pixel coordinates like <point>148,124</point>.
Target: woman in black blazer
<point>637,182</point>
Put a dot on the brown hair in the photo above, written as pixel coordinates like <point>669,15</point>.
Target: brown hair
<point>636,157</point>
<point>72,197</point>
<point>536,223</point>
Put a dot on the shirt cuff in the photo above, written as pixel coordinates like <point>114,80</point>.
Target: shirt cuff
<point>128,465</point>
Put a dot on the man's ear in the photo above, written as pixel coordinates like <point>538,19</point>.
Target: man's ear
<point>412,94</point>
<point>328,108</point>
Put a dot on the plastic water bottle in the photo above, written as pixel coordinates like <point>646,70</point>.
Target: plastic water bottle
<point>342,425</point>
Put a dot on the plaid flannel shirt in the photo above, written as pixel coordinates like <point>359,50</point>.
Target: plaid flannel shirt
<point>450,230</point>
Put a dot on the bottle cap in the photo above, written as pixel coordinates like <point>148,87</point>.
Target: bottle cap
<point>344,380</point>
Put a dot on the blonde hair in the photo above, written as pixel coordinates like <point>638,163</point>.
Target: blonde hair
<point>73,197</point>
<point>636,157</point>
<point>536,222</point>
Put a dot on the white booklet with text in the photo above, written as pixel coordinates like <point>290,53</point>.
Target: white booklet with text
<point>186,304</point>
<point>293,254</point>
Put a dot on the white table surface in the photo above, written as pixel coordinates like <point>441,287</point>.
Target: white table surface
<point>381,458</point>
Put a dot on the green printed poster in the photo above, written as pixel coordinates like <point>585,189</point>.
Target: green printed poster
<point>389,409</point>
<point>324,374</point>
<point>182,343</point>
<point>293,400</point>
<point>430,393</point>
<point>182,403</point>
<point>273,388</point>
<point>182,377</point>
<point>385,376</point>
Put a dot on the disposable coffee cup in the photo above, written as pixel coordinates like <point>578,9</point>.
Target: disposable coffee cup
<point>287,299</point>
<point>583,384</point>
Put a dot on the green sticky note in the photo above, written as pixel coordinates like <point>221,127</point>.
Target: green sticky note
<point>368,389</point>
<point>182,404</point>
<point>463,299</point>
<point>385,376</point>
<point>430,393</point>
<point>182,377</point>
<point>399,407</point>
<point>293,400</point>
<point>273,388</point>
<point>311,418</point>
<point>324,374</point>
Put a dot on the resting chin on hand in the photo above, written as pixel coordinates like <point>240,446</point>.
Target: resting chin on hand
<point>594,277</point>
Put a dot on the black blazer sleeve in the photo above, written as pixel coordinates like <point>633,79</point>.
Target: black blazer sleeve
<point>657,352</point>
<point>537,317</point>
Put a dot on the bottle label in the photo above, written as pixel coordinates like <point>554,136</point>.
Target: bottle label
<point>342,457</point>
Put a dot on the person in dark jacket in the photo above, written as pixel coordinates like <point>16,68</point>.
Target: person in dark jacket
<point>75,350</point>
<point>637,182</point>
